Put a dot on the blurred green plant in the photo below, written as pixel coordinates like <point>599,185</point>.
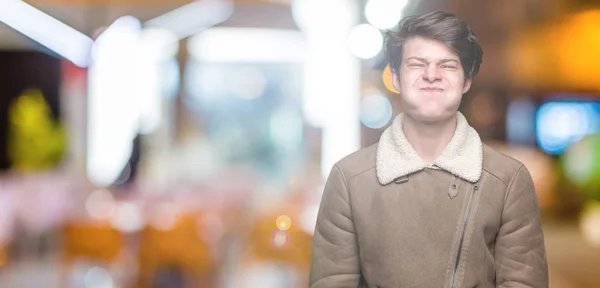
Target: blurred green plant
<point>35,141</point>
<point>581,165</point>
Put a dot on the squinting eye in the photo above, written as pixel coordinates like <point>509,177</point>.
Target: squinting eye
<point>448,67</point>
<point>415,65</point>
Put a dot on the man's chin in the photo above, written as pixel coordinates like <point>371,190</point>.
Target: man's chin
<point>432,117</point>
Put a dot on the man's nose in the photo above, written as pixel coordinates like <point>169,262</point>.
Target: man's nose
<point>431,74</point>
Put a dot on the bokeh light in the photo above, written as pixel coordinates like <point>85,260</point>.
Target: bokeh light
<point>128,217</point>
<point>559,124</point>
<point>375,111</point>
<point>283,222</point>
<point>581,164</point>
<point>384,14</point>
<point>280,239</point>
<point>164,216</point>
<point>286,128</point>
<point>100,204</point>
<point>248,83</point>
<point>265,274</point>
<point>387,79</point>
<point>315,15</point>
<point>365,41</point>
<point>577,162</point>
<point>98,277</point>
<point>520,122</point>
<point>590,224</point>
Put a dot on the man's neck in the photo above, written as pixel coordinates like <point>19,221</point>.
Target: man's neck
<point>428,139</point>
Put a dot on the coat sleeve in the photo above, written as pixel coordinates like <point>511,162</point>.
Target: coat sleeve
<point>520,253</point>
<point>335,259</point>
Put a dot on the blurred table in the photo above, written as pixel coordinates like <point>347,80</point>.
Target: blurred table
<point>572,263</point>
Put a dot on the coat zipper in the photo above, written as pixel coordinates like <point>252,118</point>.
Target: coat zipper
<point>462,236</point>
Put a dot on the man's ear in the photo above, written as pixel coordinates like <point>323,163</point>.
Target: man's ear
<point>395,80</point>
<point>467,85</point>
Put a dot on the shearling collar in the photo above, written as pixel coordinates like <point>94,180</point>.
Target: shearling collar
<point>396,157</point>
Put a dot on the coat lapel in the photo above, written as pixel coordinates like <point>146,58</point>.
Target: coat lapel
<point>463,157</point>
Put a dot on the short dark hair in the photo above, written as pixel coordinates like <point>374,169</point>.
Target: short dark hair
<point>441,26</point>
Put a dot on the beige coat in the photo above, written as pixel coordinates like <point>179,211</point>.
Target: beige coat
<point>389,220</point>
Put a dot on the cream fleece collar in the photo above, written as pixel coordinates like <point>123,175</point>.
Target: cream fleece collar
<point>396,157</point>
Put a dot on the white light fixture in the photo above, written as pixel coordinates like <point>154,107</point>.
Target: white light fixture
<point>331,75</point>
<point>113,114</point>
<point>124,93</point>
<point>194,17</point>
<point>158,44</point>
<point>384,14</point>
<point>324,16</point>
<point>249,45</point>
<point>365,41</point>
<point>119,39</point>
<point>156,47</point>
<point>46,30</point>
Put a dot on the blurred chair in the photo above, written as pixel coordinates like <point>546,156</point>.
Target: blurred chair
<point>3,255</point>
<point>269,245</point>
<point>176,249</point>
<point>95,241</point>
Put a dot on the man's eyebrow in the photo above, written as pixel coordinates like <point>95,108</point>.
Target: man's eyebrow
<point>447,60</point>
<point>418,59</point>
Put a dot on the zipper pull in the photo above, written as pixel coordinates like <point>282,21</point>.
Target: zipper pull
<point>401,180</point>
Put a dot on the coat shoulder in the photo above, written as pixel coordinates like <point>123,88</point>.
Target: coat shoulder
<point>500,165</point>
<point>358,162</point>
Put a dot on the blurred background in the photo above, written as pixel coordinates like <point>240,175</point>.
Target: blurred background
<point>149,143</point>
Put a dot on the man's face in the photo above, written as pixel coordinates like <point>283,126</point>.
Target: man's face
<point>430,80</point>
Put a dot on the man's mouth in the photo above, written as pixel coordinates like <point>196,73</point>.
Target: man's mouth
<point>431,89</point>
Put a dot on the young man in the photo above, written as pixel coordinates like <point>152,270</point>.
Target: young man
<point>429,205</point>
